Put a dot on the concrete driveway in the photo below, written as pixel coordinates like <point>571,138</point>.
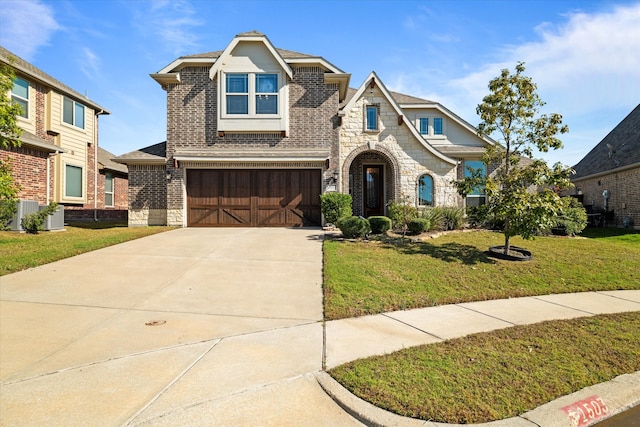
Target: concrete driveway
<point>188,327</point>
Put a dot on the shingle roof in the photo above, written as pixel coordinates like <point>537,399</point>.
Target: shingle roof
<point>34,72</point>
<point>156,153</point>
<point>284,53</point>
<point>105,159</point>
<point>400,98</point>
<point>621,147</point>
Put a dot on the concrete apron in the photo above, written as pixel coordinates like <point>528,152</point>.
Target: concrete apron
<point>191,326</point>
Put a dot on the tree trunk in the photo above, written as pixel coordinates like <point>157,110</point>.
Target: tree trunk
<point>507,245</point>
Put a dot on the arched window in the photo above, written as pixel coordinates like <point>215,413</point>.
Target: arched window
<point>425,191</point>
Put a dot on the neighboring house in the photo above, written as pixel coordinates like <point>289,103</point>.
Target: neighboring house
<point>608,177</point>
<point>255,134</point>
<point>59,156</point>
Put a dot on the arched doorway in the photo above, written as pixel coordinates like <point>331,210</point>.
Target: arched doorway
<point>371,182</point>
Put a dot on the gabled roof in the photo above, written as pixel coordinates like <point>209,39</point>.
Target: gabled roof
<point>171,73</point>
<point>374,79</point>
<point>153,154</point>
<point>253,36</point>
<point>620,149</point>
<point>105,160</point>
<point>33,72</point>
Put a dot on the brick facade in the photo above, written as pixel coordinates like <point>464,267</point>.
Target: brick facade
<point>147,195</point>
<point>29,171</point>
<point>624,191</point>
<point>192,124</point>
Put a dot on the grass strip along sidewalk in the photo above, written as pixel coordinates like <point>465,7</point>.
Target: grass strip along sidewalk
<point>19,251</point>
<point>500,374</point>
<point>494,375</point>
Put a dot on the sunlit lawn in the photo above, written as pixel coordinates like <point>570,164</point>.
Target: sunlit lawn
<point>379,276</point>
<point>19,251</point>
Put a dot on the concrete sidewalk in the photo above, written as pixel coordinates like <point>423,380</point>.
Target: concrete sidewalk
<point>351,339</point>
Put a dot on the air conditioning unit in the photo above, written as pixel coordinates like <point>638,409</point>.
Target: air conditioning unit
<point>25,207</point>
<point>56,220</point>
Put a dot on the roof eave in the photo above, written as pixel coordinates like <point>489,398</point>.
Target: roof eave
<point>342,79</point>
<point>166,78</point>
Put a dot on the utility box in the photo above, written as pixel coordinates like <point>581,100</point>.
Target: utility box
<point>25,207</point>
<point>56,220</point>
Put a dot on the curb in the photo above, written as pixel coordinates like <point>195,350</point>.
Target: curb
<point>617,395</point>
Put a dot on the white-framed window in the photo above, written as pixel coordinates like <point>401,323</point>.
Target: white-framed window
<point>72,112</point>
<point>371,117</point>
<point>20,96</point>
<point>73,181</point>
<point>108,189</point>
<point>251,94</point>
<point>430,125</point>
<point>425,190</point>
<point>423,125</point>
<point>477,197</point>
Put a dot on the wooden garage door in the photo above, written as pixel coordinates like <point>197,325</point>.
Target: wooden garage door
<point>253,198</point>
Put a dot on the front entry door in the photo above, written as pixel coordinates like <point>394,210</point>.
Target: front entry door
<point>373,180</point>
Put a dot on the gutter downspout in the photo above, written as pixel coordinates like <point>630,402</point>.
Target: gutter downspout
<point>95,165</point>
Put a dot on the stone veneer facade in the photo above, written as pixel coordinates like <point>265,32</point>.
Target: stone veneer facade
<point>405,158</point>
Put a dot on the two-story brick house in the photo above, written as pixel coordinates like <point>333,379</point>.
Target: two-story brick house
<point>255,134</point>
<point>59,159</point>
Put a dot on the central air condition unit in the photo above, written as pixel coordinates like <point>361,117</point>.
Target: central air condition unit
<point>56,220</point>
<point>25,207</point>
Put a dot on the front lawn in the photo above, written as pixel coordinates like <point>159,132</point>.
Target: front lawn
<point>381,275</point>
<point>19,251</point>
<point>500,374</point>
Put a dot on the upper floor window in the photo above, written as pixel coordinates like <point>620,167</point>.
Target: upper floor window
<point>249,93</point>
<point>72,112</point>
<point>108,189</point>
<point>424,125</point>
<point>20,96</point>
<point>431,126</point>
<point>371,119</point>
<point>477,197</point>
<point>425,191</point>
<point>73,181</point>
<point>437,126</point>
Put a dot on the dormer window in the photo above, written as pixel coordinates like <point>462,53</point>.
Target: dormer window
<point>251,93</point>
<point>430,126</point>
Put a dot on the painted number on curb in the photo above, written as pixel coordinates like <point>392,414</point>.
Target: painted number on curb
<point>586,411</point>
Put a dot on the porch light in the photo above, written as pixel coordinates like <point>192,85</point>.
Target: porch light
<point>168,175</point>
<point>335,176</point>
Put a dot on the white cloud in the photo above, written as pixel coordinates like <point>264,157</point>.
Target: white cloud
<point>172,23</point>
<point>25,26</point>
<point>90,63</point>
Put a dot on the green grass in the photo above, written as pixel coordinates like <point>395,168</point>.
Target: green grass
<point>380,276</point>
<point>500,374</point>
<point>19,251</point>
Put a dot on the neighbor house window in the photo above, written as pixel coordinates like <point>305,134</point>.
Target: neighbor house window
<point>73,181</point>
<point>108,189</point>
<point>425,191</point>
<point>20,96</point>
<point>72,112</point>
<point>424,125</point>
<point>371,112</point>
<point>477,197</point>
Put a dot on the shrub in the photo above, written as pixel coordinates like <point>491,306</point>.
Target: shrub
<point>8,195</point>
<point>353,227</point>
<point>453,218</point>
<point>379,224</point>
<point>571,222</point>
<point>419,225</point>
<point>401,213</point>
<point>34,222</point>
<point>335,206</point>
<point>435,217</point>
<point>479,217</point>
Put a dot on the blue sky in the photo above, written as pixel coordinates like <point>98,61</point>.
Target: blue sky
<point>584,55</point>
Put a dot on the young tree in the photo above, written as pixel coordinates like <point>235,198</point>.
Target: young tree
<point>521,194</point>
<point>9,137</point>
